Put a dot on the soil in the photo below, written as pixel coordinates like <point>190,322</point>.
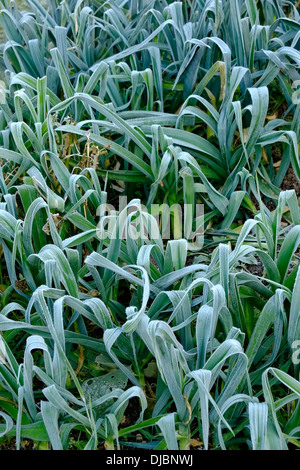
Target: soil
<point>255,269</point>
<point>11,445</point>
<point>291,182</point>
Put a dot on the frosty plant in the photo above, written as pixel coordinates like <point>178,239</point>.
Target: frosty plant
<point>2,92</point>
<point>296,353</point>
<point>3,355</point>
<point>296,93</point>
<point>162,221</point>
